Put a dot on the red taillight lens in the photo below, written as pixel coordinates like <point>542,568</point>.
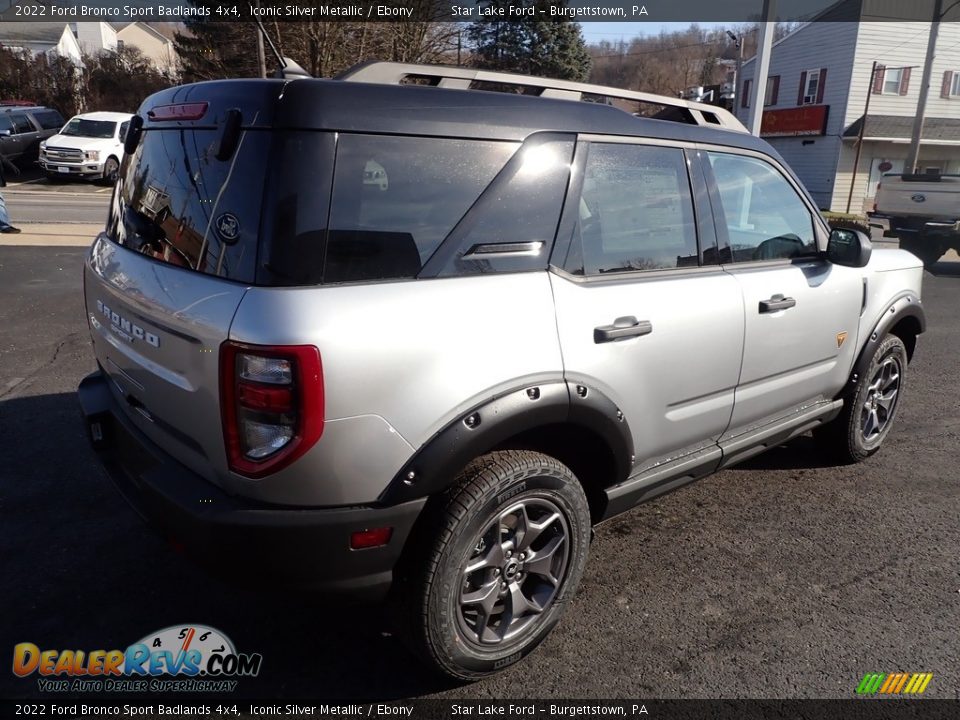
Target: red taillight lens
<point>268,399</point>
<point>271,399</point>
<point>376,537</point>
<point>181,111</point>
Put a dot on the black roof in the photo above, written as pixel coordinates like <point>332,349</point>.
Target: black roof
<point>422,110</point>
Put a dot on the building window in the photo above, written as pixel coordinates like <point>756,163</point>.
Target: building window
<point>773,89</point>
<point>891,81</point>
<point>770,96</point>
<point>813,87</point>
<point>951,84</point>
<point>812,83</point>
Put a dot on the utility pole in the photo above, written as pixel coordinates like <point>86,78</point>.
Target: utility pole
<point>863,124</point>
<point>914,154</point>
<point>761,68</point>
<point>261,55</point>
<point>738,43</point>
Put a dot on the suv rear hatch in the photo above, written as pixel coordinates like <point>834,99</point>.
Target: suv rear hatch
<point>164,280</point>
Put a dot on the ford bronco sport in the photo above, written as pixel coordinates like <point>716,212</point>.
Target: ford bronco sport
<point>394,332</point>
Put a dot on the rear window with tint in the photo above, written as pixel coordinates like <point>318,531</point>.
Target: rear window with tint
<point>49,119</point>
<point>177,203</point>
<point>394,200</point>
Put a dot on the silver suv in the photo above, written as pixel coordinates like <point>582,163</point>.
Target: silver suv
<point>390,334</point>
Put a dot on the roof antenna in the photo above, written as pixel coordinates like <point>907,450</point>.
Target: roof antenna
<point>286,68</point>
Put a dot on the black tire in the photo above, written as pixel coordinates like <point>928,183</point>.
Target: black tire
<point>436,619</point>
<point>110,169</point>
<point>852,436</point>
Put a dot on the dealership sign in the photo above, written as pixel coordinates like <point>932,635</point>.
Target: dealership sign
<point>793,122</point>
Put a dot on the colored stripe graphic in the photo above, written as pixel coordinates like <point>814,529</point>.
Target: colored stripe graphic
<point>894,683</point>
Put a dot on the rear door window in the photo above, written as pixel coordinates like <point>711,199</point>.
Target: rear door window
<point>395,199</point>
<point>21,123</point>
<point>635,211</point>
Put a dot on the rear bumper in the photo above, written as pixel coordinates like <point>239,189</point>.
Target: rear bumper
<point>898,224</point>
<point>236,538</point>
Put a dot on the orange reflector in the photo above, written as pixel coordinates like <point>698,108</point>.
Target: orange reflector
<point>376,537</point>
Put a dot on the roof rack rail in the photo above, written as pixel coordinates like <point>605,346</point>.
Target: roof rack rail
<point>462,78</point>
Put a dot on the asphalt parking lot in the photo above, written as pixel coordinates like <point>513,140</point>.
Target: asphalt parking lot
<point>785,577</point>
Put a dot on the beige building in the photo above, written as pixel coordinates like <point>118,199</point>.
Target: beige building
<point>155,45</point>
<point>819,79</point>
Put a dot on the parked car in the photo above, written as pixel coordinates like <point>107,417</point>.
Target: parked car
<point>923,212</point>
<point>89,146</point>
<point>23,128</point>
<point>430,388</point>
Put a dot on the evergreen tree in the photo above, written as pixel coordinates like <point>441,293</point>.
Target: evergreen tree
<point>548,48</point>
<point>557,48</point>
<point>212,50</point>
<point>499,44</point>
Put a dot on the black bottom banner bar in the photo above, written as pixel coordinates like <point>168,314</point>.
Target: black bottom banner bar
<point>853,709</point>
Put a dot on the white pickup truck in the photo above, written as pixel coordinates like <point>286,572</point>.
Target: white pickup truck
<point>923,212</point>
<point>88,146</point>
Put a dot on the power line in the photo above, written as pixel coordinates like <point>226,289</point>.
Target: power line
<point>659,50</point>
<point>909,39</point>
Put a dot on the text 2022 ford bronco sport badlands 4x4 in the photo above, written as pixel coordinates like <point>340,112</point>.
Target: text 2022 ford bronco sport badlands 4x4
<point>540,313</point>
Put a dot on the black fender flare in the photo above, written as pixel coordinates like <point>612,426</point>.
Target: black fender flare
<point>905,306</point>
<point>491,423</point>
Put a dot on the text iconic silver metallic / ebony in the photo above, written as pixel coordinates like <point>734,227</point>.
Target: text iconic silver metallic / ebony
<point>393,335</point>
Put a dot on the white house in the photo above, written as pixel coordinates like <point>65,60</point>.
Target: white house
<point>41,38</point>
<point>817,87</point>
<point>69,40</point>
<point>152,42</point>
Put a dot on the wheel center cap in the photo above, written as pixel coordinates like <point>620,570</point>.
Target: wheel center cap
<point>510,569</point>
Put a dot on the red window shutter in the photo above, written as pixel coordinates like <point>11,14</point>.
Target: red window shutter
<point>904,81</point>
<point>776,90</point>
<point>947,82</point>
<point>746,94</point>
<point>803,87</point>
<point>878,79</point>
<point>821,84</point>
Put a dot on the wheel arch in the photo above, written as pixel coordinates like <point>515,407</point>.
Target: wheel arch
<point>904,318</point>
<point>577,425</point>
<point>907,328</point>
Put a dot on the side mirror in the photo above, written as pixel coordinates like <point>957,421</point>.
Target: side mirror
<point>134,130</point>
<point>6,133</point>
<point>849,247</point>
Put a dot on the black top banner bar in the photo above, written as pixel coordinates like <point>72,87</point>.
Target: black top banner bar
<point>654,11</point>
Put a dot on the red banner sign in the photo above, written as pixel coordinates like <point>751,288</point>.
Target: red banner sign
<point>792,122</point>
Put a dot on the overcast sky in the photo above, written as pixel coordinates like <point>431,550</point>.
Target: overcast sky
<point>594,32</point>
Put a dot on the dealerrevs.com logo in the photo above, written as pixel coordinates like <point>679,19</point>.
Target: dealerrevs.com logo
<point>180,658</point>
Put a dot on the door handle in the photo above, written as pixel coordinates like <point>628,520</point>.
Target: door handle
<point>777,302</point>
<point>623,327</point>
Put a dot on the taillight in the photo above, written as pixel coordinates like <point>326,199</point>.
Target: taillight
<point>180,111</point>
<point>271,399</point>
